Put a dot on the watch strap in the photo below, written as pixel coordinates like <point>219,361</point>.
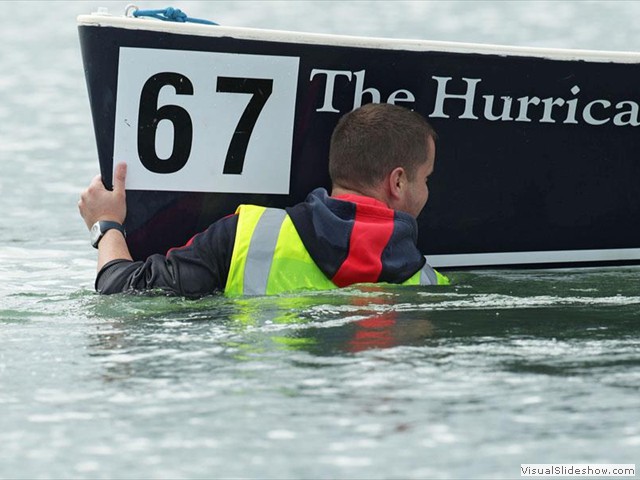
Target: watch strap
<point>106,225</point>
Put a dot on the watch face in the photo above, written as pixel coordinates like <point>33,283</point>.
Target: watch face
<point>95,233</point>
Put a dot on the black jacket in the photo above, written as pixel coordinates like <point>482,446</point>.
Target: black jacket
<point>352,239</point>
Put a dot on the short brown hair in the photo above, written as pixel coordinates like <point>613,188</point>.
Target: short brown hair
<point>371,141</point>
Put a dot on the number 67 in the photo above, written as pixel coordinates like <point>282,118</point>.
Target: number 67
<point>149,116</point>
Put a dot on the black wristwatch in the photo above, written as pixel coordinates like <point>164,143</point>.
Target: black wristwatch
<point>100,228</point>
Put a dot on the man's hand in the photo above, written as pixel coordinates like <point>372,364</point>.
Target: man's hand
<point>97,203</point>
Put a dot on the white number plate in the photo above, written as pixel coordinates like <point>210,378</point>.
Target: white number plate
<point>205,121</point>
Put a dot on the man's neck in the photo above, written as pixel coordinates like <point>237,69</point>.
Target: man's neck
<point>338,191</point>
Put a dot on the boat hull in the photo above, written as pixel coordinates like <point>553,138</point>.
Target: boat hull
<point>538,157</point>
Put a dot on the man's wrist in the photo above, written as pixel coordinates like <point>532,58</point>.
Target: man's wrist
<point>101,227</point>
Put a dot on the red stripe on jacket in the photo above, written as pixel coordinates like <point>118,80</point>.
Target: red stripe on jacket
<point>371,232</point>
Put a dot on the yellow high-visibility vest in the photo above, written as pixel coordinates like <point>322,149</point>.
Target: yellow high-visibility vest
<point>269,258</point>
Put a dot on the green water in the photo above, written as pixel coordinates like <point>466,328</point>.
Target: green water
<point>468,381</point>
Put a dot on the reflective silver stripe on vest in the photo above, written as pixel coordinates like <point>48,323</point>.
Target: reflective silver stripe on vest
<point>261,249</point>
<point>428,276</point>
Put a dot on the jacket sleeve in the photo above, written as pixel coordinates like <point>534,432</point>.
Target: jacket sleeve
<point>200,267</point>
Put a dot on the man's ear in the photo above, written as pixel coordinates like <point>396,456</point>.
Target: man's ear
<point>397,182</point>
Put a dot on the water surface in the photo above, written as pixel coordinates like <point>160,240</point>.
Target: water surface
<point>467,381</point>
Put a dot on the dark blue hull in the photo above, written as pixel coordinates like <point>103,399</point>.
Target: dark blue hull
<point>538,159</point>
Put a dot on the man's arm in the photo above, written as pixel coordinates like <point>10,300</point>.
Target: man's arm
<point>99,204</point>
<point>199,268</point>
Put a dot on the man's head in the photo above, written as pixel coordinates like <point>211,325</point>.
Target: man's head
<point>386,152</point>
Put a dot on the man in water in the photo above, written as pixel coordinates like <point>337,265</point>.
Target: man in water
<point>380,159</point>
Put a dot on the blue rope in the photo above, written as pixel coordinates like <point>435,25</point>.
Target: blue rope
<point>171,14</point>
